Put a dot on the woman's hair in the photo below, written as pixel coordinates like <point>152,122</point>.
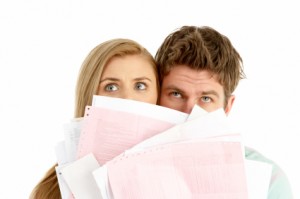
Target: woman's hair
<point>92,68</point>
<point>87,86</point>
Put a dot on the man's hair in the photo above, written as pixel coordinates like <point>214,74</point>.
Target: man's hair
<point>202,48</point>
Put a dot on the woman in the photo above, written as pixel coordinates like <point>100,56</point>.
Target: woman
<point>117,68</point>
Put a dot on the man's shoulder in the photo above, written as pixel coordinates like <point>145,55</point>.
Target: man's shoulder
<point>252,154</point>
<point>279,183</point>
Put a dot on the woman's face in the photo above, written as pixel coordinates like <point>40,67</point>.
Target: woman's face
<point>129,77</point>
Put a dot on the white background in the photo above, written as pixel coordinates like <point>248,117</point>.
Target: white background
<point>43,43</point>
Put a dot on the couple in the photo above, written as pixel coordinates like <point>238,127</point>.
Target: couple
<point>194,65</point>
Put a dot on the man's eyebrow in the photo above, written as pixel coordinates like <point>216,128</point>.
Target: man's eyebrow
<point>175,88</point>
<point>210,92</point>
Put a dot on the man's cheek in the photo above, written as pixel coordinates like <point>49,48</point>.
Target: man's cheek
<point>165,102</point>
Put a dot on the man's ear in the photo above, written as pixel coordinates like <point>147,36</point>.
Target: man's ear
<point>229,104</point>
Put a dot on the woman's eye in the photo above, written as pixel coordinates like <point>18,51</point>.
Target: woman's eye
<point>140,86</point>
<point>111,87</point>
<point>206,99</point>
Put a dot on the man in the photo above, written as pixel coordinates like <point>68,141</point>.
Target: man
<point>198,65</point>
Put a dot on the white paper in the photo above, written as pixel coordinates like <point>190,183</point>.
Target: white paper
<point>140,108</point>
<point>101,178</point>
<point>196,112</point>
<point>79,178</point>
<point>72,134</point>
<point>61,153</point>
<point>63,187</point>
<point>258,178</point>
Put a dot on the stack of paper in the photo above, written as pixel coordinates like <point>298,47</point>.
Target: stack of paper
<point>129,149</point>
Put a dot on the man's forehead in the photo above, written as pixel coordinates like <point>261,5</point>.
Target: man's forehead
<point>190,74</point>
<point>185,79</point>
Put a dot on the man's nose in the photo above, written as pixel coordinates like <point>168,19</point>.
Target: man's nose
<point>189,105</point>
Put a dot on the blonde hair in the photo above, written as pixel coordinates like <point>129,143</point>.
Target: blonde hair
<point>87,86</point>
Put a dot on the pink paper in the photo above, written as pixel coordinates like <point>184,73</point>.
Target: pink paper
<point>206,170</point>
<point>107,133</point>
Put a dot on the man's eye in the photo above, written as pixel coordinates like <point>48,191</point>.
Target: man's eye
<point>206,99</point>
<point>111,87</point>
<point>176,94</point>
<point>140,86</point>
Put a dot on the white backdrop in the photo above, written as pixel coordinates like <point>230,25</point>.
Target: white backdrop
<point>43,43</point>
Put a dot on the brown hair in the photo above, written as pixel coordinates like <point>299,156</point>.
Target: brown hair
<point>87,86</point>
<point>202,48</point>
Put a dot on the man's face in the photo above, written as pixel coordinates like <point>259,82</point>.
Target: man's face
<point>184,87</point>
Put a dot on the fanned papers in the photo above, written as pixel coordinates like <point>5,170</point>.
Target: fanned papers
<point>208,170</point>
<point>200,158</point>
<point>199,124</point>
<point>136,120</point>
<point>107,132</point>
<point>177,156</point>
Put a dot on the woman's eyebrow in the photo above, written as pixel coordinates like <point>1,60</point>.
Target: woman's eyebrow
<point>142,78</point>
<point>109,79</point>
